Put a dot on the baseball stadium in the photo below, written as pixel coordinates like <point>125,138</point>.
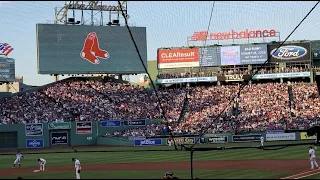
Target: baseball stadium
<point>132,99</point>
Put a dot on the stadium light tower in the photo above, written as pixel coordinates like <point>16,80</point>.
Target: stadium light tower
<point>90,13</point>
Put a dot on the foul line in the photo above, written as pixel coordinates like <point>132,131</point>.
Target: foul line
<point>302,175</point>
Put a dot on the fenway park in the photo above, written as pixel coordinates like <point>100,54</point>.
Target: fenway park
<point>111,90</point>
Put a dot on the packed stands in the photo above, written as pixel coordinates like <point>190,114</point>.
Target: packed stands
<point>261,106</point>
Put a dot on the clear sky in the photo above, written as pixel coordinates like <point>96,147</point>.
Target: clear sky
<point>168,24</point>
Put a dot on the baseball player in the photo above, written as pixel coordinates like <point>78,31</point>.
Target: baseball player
<point>170,141</point>
<point>18,159</point>
<point>42,163</point>
<point>312,154</point>
<point>77,166</point>
<point>262,141</point>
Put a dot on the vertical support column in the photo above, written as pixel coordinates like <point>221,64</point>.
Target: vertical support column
<point>55,77</point>
<point>191,164</point>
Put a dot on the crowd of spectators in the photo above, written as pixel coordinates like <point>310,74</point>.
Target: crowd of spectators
<point>261,106</point>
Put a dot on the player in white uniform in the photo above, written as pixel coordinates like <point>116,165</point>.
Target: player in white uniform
<point>42,163</point>
<point>262,141</point>
<point>77,167</point>
<point>18,159</point>
<point>312,154</point>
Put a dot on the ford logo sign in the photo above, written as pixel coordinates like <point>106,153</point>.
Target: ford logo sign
<point>289,52</point>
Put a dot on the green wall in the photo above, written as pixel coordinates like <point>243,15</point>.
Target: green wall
<point>93,138</point>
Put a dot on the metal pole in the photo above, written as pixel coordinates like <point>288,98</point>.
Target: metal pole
<point>191,163</point>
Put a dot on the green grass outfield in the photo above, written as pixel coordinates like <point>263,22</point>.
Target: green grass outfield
<point>64,159</point>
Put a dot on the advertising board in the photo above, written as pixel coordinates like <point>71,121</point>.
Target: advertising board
<point>70,49</point>
<point>59,138</point>
<point>148,142</point>
<point>178,58</point>
<point>293,52</point>
<point>246,138</point>
<point>59,125</point>
<point>136,122</point>
<point>111,123</point>
<point>281,75</point>
<point>254,54</point>
<point>34,143</point>
<point>34,129</point>
<point>281,137</point>
<point>304,136</point>
<point>83,127</point>
<point>183,140</point>
<point>187,80</point>
<point>217,139</point>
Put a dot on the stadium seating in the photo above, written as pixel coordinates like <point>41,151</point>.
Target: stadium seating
<point>262,106</point>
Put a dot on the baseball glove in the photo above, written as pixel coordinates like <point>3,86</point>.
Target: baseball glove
<point>79,171</point>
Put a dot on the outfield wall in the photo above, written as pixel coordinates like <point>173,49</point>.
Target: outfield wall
<point>45,135</point>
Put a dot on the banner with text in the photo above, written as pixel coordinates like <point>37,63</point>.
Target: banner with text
<point>234,77</point>
<point>183,140</point>
<point>187,80</point>
<point>148,142</point>
<point>34,129</point>
<point>281,137</point>
<point>217,139</point>
<point>59,138</point>
<point>274,131</point>
<point>59,125</point>
<point>246,138</point>
<point>136,122</point>
<point>282,75</point>
<point>304,136</point>
<point>84,127</point>
<point>178,58</point>
<point>113,123</point>
<point>34,143</point>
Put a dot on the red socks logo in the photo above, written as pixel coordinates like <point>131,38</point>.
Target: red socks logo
<point>91,50</point>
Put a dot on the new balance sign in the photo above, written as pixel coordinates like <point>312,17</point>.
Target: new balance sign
<point>281,137</point>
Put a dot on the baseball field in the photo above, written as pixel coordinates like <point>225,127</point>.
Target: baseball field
<point>132,162</point>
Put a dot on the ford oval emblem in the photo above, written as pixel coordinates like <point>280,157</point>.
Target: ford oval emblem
<point>289,52</point>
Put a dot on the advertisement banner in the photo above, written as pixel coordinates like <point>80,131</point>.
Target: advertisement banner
<point>84,127</point>
<point>304,136</point>
<point>59,138</point>
<point>275,132</point>
<point>234,77</point>
<point>254,54</point>
<point>281,137</point>
<point>34,143</point>
<point>293,52</point>
<point>136,138</point>
<point>187,80</point>
<point>113,123</point>
<point>230,55</point>
<point>136,122</point>
<point>178,58</point>
<point>281,75</point>
<point>246,138</point>
<point>148,142</point>
<point>7,69</point>
<point>218,139</point>
<point>65,49</point>
<point>59,125</point>
<point>184,140</point>
<point>34,129</point>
